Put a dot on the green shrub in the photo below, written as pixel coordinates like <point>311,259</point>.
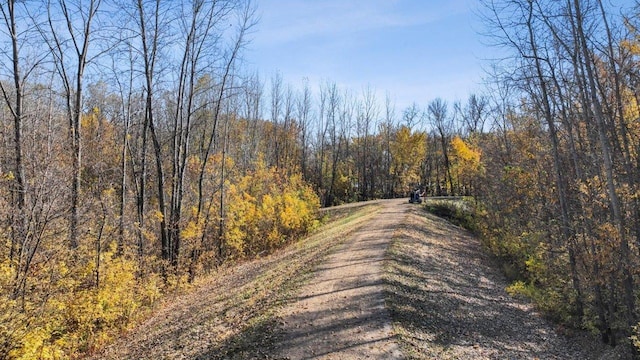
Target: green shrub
<point>458,212</point>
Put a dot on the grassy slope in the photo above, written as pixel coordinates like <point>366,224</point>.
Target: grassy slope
<point>231,314</point>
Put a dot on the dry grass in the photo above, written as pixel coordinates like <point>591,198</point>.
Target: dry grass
<point>447,299</point>
<point>230,315</point>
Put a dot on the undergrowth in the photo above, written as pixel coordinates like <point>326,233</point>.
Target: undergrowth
<point>460,212</point>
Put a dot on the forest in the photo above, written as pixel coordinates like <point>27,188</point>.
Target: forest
<point>138,153</point>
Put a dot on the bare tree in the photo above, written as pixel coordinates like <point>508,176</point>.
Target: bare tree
<point>443,124</point>
<point>387,128</point>
<point>564,55</point>
<point>303,111</point>
<point>412,116</point>
<point>474,113</point>
<point>276,109</point>
<point>253,97</point>
<point>607,158</point>
<point>19,65</point>
<point>366,115</point>
<point>333,123</point>
<point>149,18</point>
<point>124,80</point>
<point>223,91</point>
<point>14,98</point>
<point>199,23</point>
<point>70,28</point>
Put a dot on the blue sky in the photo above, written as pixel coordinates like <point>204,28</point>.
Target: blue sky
<point>414,50</point>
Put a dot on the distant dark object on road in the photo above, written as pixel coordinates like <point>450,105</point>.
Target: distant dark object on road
<point>415,197</point>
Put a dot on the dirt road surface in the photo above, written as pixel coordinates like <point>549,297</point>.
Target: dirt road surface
<point>388,281</point>
<point>341,313</point>
<point>411,285</point>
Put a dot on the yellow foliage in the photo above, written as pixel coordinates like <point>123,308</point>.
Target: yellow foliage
<point>290,215</point>
<point>635,338</point>
<point>78,315</point>
<point>407,151</point>
<point>464,152</point>
<point>7,272</point>
<point>535,263</point>
<point>632,46</point>
<point>34,348</point>
<point>158,215</point>
<point>267,208</point>
<point>194,163</point>
<point>520,288</point>
<point>191,231</point>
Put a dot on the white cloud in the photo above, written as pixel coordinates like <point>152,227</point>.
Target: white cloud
<point>289,20</point>
<point>413,49</point>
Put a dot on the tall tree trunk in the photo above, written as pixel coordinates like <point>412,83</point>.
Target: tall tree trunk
<point>608,166</point>
<point>20,244</point>
<point>79,33</point>
<point>149,53</point>
<point>545,102</point>
<point>630,175</point>
<point>15,105</point>
<point>227,77</point>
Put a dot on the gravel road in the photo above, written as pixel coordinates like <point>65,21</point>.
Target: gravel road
<point>341,313</point>
<point>411,285</point>
<point>388,281</point>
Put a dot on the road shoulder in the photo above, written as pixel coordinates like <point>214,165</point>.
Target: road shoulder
<point>448,300</point>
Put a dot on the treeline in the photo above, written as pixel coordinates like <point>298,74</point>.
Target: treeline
<point>560,186</point>
<point>355,147</point>
<point>136,154</point>
<point>132,159</point>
